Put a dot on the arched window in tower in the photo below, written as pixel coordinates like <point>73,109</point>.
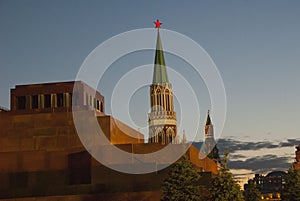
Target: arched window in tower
<point>157,102</point>
<point>171,103</point>
<point>153,106</point>
<point>158,99</point>
<point>158,132</point>
<point>154,102</point>
<point>163,101</point>
<point>167,136</point>
<point>161,136</point>
<point>167,100</point>
<point>150,136</point>
<point>160,102</point>
<point>170,135</point>
<point>156,137</point>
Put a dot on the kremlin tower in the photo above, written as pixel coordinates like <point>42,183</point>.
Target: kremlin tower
<point>210,146</point>
<point>162,118</point>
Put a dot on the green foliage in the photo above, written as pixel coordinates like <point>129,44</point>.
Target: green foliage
<point>291,188</point>
<point>252,193</point>
<point>214,154</point>
<point>224,187</point>
<point>181,185</point>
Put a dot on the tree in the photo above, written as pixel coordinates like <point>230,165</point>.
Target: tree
<point>291,188</point>
<point>251,193</point>
<point>224,187</point>
<point>181,184</point>
<point>214,154</point>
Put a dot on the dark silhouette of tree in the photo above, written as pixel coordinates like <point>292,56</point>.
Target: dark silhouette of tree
<point>252,193</point>
<point>224,187</point>
<point>181,184</point>
<point>291,188</point>
<point>214,154</point>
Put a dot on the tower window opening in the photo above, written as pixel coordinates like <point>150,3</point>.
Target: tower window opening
<point>155,102</point>
<point>158,101</point>
<point>160,137</point>
<point>163,102</point>
<point>167,103</point>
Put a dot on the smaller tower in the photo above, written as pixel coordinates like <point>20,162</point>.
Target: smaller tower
<point>296,164</point>
<point>209,147</point>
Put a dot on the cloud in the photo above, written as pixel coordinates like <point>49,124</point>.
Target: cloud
<point>241,154</point>
<point>237,156</point>
<point>263,163</point>
<point>289,143</point>
<point>235,145</point>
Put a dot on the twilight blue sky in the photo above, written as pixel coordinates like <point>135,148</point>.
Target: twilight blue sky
<point>255,45</point>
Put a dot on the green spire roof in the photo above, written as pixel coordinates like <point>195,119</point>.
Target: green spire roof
<point>160,71</point>
<point>208,120</point>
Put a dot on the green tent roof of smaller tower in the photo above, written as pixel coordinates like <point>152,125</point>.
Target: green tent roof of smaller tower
<point>208,120</point>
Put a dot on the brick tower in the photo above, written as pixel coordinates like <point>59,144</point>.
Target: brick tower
<point>162,118</point>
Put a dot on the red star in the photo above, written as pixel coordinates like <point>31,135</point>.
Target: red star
<point>157,24</point>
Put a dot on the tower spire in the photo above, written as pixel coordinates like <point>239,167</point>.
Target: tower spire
<point>160,71</point>
<point>208,120</point>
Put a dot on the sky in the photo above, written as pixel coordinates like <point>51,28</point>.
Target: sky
<point>254,44</point>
